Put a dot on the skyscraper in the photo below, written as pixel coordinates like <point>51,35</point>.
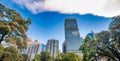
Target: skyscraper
<point>52,47</point>
<point>72,36</point>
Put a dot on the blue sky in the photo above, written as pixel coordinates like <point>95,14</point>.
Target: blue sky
<point>50,24</point>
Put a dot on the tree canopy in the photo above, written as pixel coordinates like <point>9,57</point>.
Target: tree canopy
<point>70,56</point>
<point>110,40</point>
<point>11,54</point>
<point>59,57</point>
<point>25,57</point>
<point>107,43</point>
<point>13,27</point>
<point>44,56</point>
<point>1,50</point>
<point>37,58</point>
<point>88,48</point>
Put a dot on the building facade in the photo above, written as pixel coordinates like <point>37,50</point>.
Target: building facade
<point>72,36</point>
<point>64,47</point>
<point>52,47</point>
<point>43,48</point>
<point>33,49</point>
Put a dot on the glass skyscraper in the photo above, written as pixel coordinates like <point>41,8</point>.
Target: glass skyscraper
<point>72,36</point>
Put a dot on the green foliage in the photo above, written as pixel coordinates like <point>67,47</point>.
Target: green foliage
<point>59,57</point>
<point>37,58</point>
<point>13,27</point>
<point>1,50</point>
<point>11,54</point>
<point>115,31</point>
<point>107,43</point>
<point>114,44</point>
<point>71,56</point>
<point>25,57</point>
<point>88,48</point>
<point>44,56</point>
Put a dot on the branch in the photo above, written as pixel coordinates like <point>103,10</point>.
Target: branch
<point>1,39</point>
<point>114,50</point>
<point>105,53</point>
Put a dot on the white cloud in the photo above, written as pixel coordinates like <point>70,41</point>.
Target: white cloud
<point>107,8</point>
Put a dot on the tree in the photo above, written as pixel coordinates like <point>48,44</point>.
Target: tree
<point>71,56</point>
<point>59,57</point>
<point>103,43</point>
<point>37,58</point>
<point>88,48</point>
<point>107,43</point>
<point>25,56</point>
<point>1,50</point>
<point>44,56</point>
<point>115,36</point>
<point>11,54</point>
<point>111,40</point>
<point>112,44</point>
<point>13,27</point>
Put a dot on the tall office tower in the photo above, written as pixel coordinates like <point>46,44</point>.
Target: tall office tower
<point>72,36</point>
<point>33,48</point>
<point>52,47</point>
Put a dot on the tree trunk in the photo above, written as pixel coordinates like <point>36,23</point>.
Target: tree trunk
<point>1,39</point>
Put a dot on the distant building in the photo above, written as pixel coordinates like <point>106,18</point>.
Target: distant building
<point>64,47</point>
<point>43,48</point>
<point>72,36</point>
<point>52,47</point>
<point>91,35</point>
<point>33,48</point>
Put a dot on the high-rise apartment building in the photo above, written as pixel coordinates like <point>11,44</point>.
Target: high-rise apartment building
<point>33,48</point>
<point>72,36</point>
<point>52,47</point>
